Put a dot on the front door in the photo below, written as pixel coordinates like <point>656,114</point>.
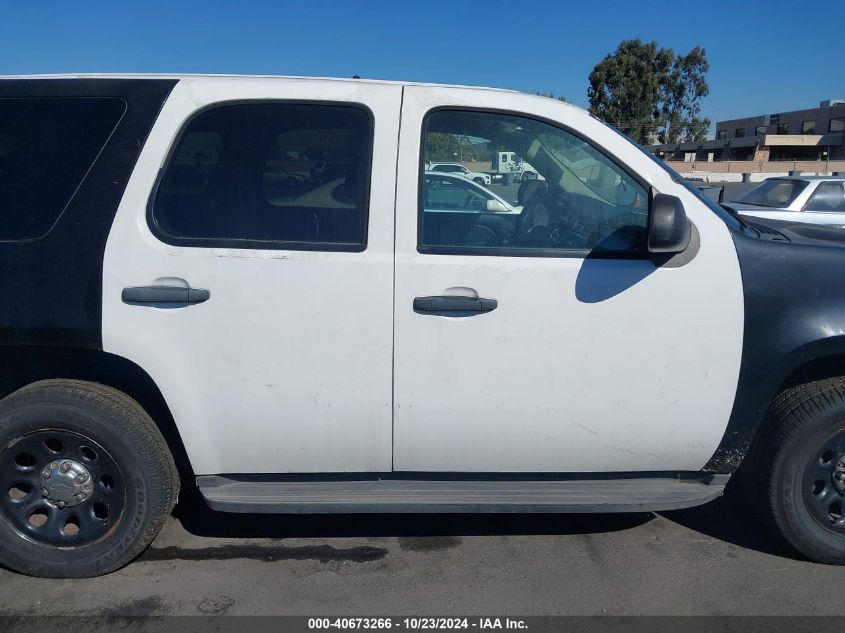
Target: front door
<point>545,337</point>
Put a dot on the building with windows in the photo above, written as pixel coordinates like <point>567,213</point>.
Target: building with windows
<point>815,134</point>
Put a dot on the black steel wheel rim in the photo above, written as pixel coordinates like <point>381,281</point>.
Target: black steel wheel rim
<point>60,488</point>
<point>824,485</point>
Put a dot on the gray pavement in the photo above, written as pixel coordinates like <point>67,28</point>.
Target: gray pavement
<point>716,559</point>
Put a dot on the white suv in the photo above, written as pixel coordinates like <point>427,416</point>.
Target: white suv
<point>477,177</point>
<point>177,315</point>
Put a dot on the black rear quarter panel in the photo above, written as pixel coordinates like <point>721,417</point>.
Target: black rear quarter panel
<point>50,288</point>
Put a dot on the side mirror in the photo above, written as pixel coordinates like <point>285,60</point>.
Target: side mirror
<point>494,206</point>
<point>668,227</point>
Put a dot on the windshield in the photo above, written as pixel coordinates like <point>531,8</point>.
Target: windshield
<point>774,192</point>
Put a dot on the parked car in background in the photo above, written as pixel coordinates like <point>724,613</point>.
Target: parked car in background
<point>456,168</point>
<point>807,199</point>
<point>448,192</point>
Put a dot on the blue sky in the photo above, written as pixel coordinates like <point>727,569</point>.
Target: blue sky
<point>765,57</point>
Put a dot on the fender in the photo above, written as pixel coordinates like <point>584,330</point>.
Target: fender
<point>33,363</point>
<point>794,325</point>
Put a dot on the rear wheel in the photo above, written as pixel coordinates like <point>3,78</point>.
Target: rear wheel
<point>797,472</point>
<point>87,479</point>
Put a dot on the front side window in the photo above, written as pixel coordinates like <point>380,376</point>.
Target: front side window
<point>783,128</point>
<point>739,132</point>
<point>47,147</point>
<point>760,130</point>
<point>582,200</point>
<point>774,193</point>
<point>837,125</point>
<point>808,127</point>
<point>828,196</point>
<point>722,134</point>
<point>268,175</point>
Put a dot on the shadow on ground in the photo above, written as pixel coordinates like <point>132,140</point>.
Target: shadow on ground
<point>731,519</point>
<point>727,519</point>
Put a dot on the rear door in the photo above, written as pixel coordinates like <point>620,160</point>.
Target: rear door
<point>550,340</point>
<point>266,206</point>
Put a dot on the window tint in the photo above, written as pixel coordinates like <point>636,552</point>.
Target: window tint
<point>783,128</point>
<point>580,201</point>
<point>837,125</point>
<point>808,127</point>
<point>829,196</point>
<point>273,175</point>
<point>47,146</point>
<point>760,130</point>
<point>739,132</point>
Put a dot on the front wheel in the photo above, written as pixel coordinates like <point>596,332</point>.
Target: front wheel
<point>87,479</point>
<point>797,471</point>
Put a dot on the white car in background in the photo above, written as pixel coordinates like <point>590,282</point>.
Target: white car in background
<point>477,177</point>
<point>452,193</point>
<point>807,199</point>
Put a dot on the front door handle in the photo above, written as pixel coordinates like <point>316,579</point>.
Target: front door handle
<point>169,296</point>
<point>448,303</point>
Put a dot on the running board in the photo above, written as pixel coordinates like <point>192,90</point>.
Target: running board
<point>320,495</point>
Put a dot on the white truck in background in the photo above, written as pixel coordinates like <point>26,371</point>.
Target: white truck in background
<point>507,167</point>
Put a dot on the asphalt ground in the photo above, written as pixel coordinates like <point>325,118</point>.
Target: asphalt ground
<point>717,559</point>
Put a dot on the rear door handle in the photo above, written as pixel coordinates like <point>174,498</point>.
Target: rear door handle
<point>447,303</point>
<point>172,296</point>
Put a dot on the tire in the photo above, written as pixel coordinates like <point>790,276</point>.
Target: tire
<point>112,480</point>
<point>796,471</point>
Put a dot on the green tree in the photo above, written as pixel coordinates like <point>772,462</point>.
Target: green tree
<point>649,93</point>
<point>441,147</point>
<point>551,95</point>
<point>680,99</point>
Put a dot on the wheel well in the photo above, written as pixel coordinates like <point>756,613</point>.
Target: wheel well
<point>830,366</point>
<point>27,364</point>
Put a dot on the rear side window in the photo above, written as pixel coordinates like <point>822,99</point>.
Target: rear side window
<point>828,196</point>
<point>268,175</point>
<point>47,146</point>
